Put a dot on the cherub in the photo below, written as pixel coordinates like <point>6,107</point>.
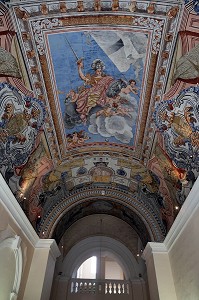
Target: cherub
<point>107,111</point>
<point>77,138</point>
<point>122,110</point>
<point>130,88</point>
<point>114,108</point>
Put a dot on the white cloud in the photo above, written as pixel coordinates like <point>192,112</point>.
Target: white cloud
<point>117,126</point>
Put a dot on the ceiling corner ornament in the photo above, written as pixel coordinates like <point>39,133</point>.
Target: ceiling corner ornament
<point>39,26</point>
<point>152,24</point>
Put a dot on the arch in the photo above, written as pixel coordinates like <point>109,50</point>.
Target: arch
<point>91,247</point>
<point>86,208</point>
<point>140,216</point>
<point>101,225</point>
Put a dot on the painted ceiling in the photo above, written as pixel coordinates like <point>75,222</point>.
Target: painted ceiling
<point>103,118</point>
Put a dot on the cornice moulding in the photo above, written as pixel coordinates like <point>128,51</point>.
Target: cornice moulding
<point>153,248</point>
<point>49,244</point>
<point>18,2</point>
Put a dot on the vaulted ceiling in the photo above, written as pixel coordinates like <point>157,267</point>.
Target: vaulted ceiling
<point>104,117</point>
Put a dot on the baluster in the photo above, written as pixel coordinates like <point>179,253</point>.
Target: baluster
<point>125,288</point>
<point>94,288</point>
<point>85,287</point>
<point>90,287</point>
<point>110,288</point>
<point>72,287</point>
<point>76,287</point>
<point>106,288</point>
<point>115,288</point>
<point>99,289</point>
<point>80,286</point>
<point>119,288</point>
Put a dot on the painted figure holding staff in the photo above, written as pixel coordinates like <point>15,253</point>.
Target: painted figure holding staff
<point>96,94</point>
<point>100,90</point>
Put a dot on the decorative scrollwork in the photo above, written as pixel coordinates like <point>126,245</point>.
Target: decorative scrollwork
<point>41,25</point>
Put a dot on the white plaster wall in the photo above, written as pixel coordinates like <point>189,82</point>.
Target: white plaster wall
<point>166,287</point>
<point>7,272</point>
<point>184,258</point>
<point>183,246</point>
<point>7,221</point>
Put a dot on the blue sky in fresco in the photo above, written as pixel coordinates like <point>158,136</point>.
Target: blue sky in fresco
<point>66,72</point>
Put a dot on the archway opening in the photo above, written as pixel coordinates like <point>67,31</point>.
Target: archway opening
<point>100,267</point>
<point>114,250</point>
<point>88,268</point>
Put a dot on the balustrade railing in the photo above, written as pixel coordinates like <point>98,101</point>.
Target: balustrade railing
<point>94,286</point>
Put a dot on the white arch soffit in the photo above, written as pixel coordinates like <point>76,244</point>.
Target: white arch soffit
<point>14,244</point>
<point>91,247</point>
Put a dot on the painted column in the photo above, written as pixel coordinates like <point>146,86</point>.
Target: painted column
<point>41,273</point>
<point>160,278</point>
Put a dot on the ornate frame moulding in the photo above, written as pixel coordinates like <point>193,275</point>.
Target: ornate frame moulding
<point>41,28</point>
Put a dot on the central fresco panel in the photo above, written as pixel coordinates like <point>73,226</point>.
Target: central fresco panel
<point>98,75</point>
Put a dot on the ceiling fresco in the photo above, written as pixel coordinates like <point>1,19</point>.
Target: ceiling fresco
<point>100,96</point>
<point>109,121</point>
<point>93,79</point>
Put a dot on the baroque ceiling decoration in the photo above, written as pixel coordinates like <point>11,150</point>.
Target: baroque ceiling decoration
<point>100,132</point>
